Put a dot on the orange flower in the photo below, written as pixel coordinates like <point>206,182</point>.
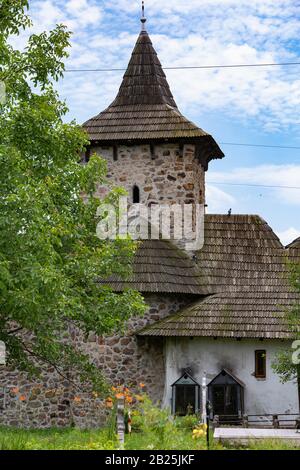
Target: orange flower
<point>77,399</point>
<point>129,399</point>
<point>142,385</point>
<point>119,396</point>
<point>15,390</point>
<point>114,389</point>
<point>109,403</point>
<point>22,398</point>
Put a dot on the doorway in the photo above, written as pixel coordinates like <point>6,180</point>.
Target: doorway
<point>185,396</point>
<point>224,400</point>
<point>226,395</point>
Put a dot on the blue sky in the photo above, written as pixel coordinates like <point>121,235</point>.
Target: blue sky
<point>258,105</point>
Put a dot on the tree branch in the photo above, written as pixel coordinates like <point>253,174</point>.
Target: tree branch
<point>46,361</point>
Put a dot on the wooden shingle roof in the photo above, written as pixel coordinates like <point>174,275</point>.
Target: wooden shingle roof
<point>144,82</point>
<point>248,314</point>
<point>159,266</point>
<point>243,271</point>
<point>293,250</point>
<point>145,110</point>
<point>240,251</point>
<point>294,244</point>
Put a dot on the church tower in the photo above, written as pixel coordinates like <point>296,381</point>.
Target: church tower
<point>152,150</point>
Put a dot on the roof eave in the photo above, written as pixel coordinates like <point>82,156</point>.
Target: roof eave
<point>205,155</point>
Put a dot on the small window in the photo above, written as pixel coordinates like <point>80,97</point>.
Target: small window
<point>136,195</point>
<point>260,364</point>
<point>152,151</point>
<point>115,153</point>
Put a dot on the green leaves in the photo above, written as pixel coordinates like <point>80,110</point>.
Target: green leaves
<point>50,257</point>
<point>13,16</point>
<point>45,54</point>
<point>284,365</point>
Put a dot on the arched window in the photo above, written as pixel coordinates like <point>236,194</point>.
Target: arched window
<point>136,194</point>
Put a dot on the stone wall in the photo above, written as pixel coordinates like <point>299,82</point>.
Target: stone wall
<point>171,175</point>
<point>128,359</point>
<point>50,401</point>
<point>41,402</point>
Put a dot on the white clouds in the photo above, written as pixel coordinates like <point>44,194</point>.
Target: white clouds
<point>218,32</point>
<point>76,14</point>
<point>48,13</point>
<point>197,32</point>
<point>84,12</point>
<point>289,235</point>
<point>279,206</point>
<point>268,175</point>
<point>226,18</point>
<point>218,201</point>
<point>264,93</point>
<point>181,6</point>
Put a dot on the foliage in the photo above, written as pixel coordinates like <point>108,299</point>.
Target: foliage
<point>186,422</point>
<point>164,431</point>
<point>50,256</point>
<point>75,439</point>
<point>55,439</point>
<point>153,427</point>
<point>287,361</point>
<point>13,441</point>
<point>98,439</point>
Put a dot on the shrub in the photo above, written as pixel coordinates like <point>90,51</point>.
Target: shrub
<point>187,422</point>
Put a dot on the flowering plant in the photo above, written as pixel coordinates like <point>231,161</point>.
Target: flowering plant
<point>199,431</point>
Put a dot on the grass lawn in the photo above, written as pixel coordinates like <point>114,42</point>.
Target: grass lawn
<point>75,439</point>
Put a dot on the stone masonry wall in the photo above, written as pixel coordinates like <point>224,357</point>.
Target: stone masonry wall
<point>128,359</point>
<point>50,401</point>
<point>169,176</point>
<point>41,402</point>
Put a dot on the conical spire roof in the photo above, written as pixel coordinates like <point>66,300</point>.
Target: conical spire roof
<point>144,82</point>
<point>144,109</point>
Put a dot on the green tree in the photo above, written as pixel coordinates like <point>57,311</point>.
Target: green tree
<point>287,363</point>
<point>50,256</point>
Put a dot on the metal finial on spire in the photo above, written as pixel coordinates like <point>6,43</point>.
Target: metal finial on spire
<point>143,19</point>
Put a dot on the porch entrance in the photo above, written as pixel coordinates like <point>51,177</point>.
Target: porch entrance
<point>224,400</point>
<point>226,395</point>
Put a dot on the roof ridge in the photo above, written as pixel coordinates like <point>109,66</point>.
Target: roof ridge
<point>234,218</point>
<point>294,244</point>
